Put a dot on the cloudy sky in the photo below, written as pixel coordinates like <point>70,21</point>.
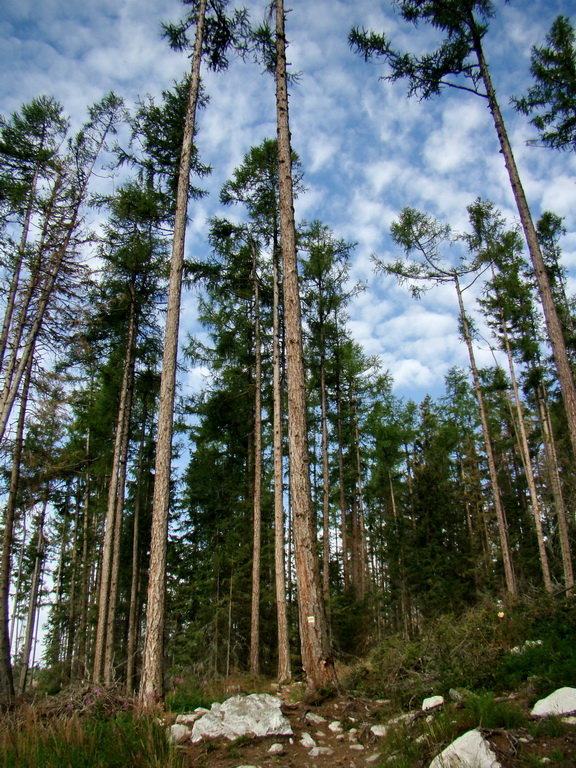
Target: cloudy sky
<point>365,149</point>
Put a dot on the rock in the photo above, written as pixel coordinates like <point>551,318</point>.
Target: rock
<point>471,750</point>
<point>569,720</point>
<point>379,730</point>
<point>561,702</point>
<point>527,644</point>
<point>311,718</point>
<point>307,741</point>
<point>179,732</point>
<point>317,751</point>
<point>456,696</point>
<point>358,747</point>
<point>258,714</point>
<point>335,726</point>
<point>276,749</point>
<point>373,757</point>
<point>190,718</point>
<point>404,719</point>
<point>432,702</point>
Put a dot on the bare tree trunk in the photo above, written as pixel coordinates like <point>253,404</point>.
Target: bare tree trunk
<point>6,678</point>
<point>257,495</point>
<point>152,683</point>
<point>343,521</point>
<point>325,483</point>
<point>33,603</point>
<point>500,516</point>
<point>556,486</point>
<point>114,508</point>
<point>284,670</point>
<point>527,462</point>
<point>553,325</point>
<point>317,658</point>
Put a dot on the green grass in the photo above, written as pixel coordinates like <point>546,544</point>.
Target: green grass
<point>125,740</point>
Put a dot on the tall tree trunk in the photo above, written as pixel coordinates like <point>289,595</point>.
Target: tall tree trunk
<point>317,658</point>
<point>527,462</point>
<point>553,325</point>
<point>33,601</point>
<point>554,478</point>
<point>6,678</point>
<point>325,480</point>
<point>152,683</point>
<point>500,515</point>
<point>257,490</point>
<point>284,670</point>
<point>113,510</point>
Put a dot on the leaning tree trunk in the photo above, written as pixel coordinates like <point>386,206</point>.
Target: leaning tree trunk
<point>500,515</point>
<point>553,325</point>
<point>317,658</point>
<point>6,678</point>
<point>527,462</point>
<point>113,511</point>
<point>556,486</point>
<point>152,684</point>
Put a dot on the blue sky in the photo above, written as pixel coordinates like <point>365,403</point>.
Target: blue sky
<point>365,149</point>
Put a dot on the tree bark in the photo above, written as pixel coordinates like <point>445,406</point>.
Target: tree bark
<point>152,684</point>
<point>500,515</point>
<point>553,325</point>
<point>317,658</point>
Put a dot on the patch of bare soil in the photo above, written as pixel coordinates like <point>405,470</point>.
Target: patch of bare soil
<point>354,746</point>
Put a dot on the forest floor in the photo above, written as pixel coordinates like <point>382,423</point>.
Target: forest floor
<point>355,746</point>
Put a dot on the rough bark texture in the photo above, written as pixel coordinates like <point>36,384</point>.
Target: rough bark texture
<point>152,686</point>
<point>316,655</point>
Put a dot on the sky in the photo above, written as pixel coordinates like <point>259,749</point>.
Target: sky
<point>365,149</point>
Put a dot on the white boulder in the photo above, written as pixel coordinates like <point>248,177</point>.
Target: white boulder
<point>561,702</point>
<point>258,714</point>
<point>471,750</point>
<point>432,702</point>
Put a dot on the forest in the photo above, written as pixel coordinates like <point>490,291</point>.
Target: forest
<point>294,512</point>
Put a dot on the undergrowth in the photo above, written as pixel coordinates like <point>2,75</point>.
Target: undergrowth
<point>125,740</point>
<point>474,651</point>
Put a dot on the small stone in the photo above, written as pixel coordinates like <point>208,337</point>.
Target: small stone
<point>340,737</point>
<point>432,702</point>
<point>352,731</point>
<point>357,747</point>
<point>546,760</point>
<point>276,749</point>
<point>191,717</point>
<point>307,741</point>
<point>430,719</point>
<point>379,730</point>
<point>456,696</point>
<point>373,757</point>
<point>313,719</point>
<point>335,726</point>
<point>405,719</point>
<point>317,751</point>
<point>569,720</point>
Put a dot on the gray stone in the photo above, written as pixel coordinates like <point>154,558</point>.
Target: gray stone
<point>404,719</point>
<point>307,741</point>
<point>471,750</point>
<point>335,726</point>
<point>379,730</point>
<point>179,732</point>
<point>569,720</point>
<point>432,702</point>
<point>190,718</point>
<point>276,749</point>
<point>373,757</point>
<point>317,751</point>
<point>358,747</point>
<point>258,714</point>
<point>561,702</point>
<point>313,719</point>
